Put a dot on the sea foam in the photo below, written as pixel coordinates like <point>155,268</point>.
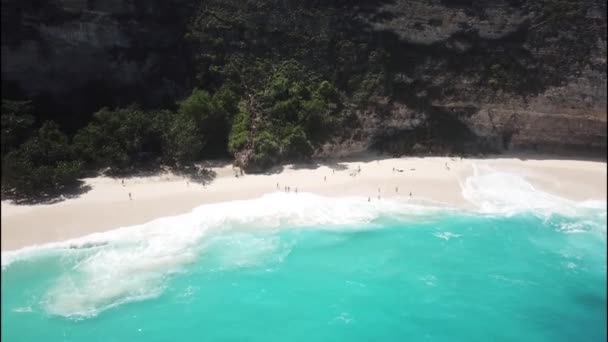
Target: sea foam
<point>504,193</point>
<point>134,263</point>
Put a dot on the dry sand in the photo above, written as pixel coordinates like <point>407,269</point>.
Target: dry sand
<point>107,205</point>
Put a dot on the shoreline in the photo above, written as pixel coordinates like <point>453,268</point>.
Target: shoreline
<point>438,179</point>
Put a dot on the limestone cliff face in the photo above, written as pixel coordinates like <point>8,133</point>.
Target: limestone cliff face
<point>452,75</point>
<point>516,74</point>
<point>78,55</point>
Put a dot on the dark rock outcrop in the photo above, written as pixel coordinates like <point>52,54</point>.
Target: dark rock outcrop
<point>75,56</point>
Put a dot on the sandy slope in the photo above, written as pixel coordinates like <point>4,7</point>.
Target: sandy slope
<point>107,205</point>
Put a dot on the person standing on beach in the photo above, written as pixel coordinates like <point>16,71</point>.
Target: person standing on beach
<point>277,185</point>
<point>296,191</point>
<point>123,182</point>
<point>130,196</point>
<point>325,178</point>
<point>410,194</point>
<point>396,189</point>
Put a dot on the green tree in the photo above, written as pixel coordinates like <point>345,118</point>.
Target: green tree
<point>42,166</point>
<point>17,124</point>
<point>212,117</point>
<point>295,145</point>
<point>266,150</point>
<point>199,106</point>
<point>186,141</point>
<point>239,132</point>
<point>123,138</point>
<point>294,113</point>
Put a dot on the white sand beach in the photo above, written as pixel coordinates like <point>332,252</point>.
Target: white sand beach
<point>437,179</point>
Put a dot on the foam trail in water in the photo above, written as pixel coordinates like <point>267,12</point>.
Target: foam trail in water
<point>133,263</point>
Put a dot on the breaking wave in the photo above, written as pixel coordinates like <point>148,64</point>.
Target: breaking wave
<point>134,263</point>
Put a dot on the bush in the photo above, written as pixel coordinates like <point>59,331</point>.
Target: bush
<point>42,166</point>
<point>266,150</point>
<point>296,145</point>
<point>199,107</point>
<point>239,133</point>
<point>186,142</point>
<point>294,113</point>
<point>212,117</point>
<point>123,138</point>
<point>17,124</point>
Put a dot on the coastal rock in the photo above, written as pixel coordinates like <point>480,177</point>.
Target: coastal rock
<point>438,76</point>
<point>76,56</point>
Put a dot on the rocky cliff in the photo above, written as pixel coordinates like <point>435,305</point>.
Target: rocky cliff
<point>516,74</point>
<point>75,56</point>
<point>426,76</point>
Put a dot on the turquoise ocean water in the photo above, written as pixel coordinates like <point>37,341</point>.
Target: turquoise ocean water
<point>343,272</point>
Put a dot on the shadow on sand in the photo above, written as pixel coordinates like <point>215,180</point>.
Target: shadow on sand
<point>68,192</point>
<point>203,173</point>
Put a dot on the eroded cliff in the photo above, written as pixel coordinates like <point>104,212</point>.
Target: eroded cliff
<point>431,76</point>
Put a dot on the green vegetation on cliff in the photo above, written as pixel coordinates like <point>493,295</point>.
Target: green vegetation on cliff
<point>270,81</point>
<point>284,118</point>
<point>43,166</point>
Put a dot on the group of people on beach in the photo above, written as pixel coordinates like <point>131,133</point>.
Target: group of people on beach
<point>287,188</point>
<point>122,181</point>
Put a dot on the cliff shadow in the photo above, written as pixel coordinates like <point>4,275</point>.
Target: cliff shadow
<point>197,174</point>
<point>70,191</point>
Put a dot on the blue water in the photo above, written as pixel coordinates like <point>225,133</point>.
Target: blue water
<point>449,277</point>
